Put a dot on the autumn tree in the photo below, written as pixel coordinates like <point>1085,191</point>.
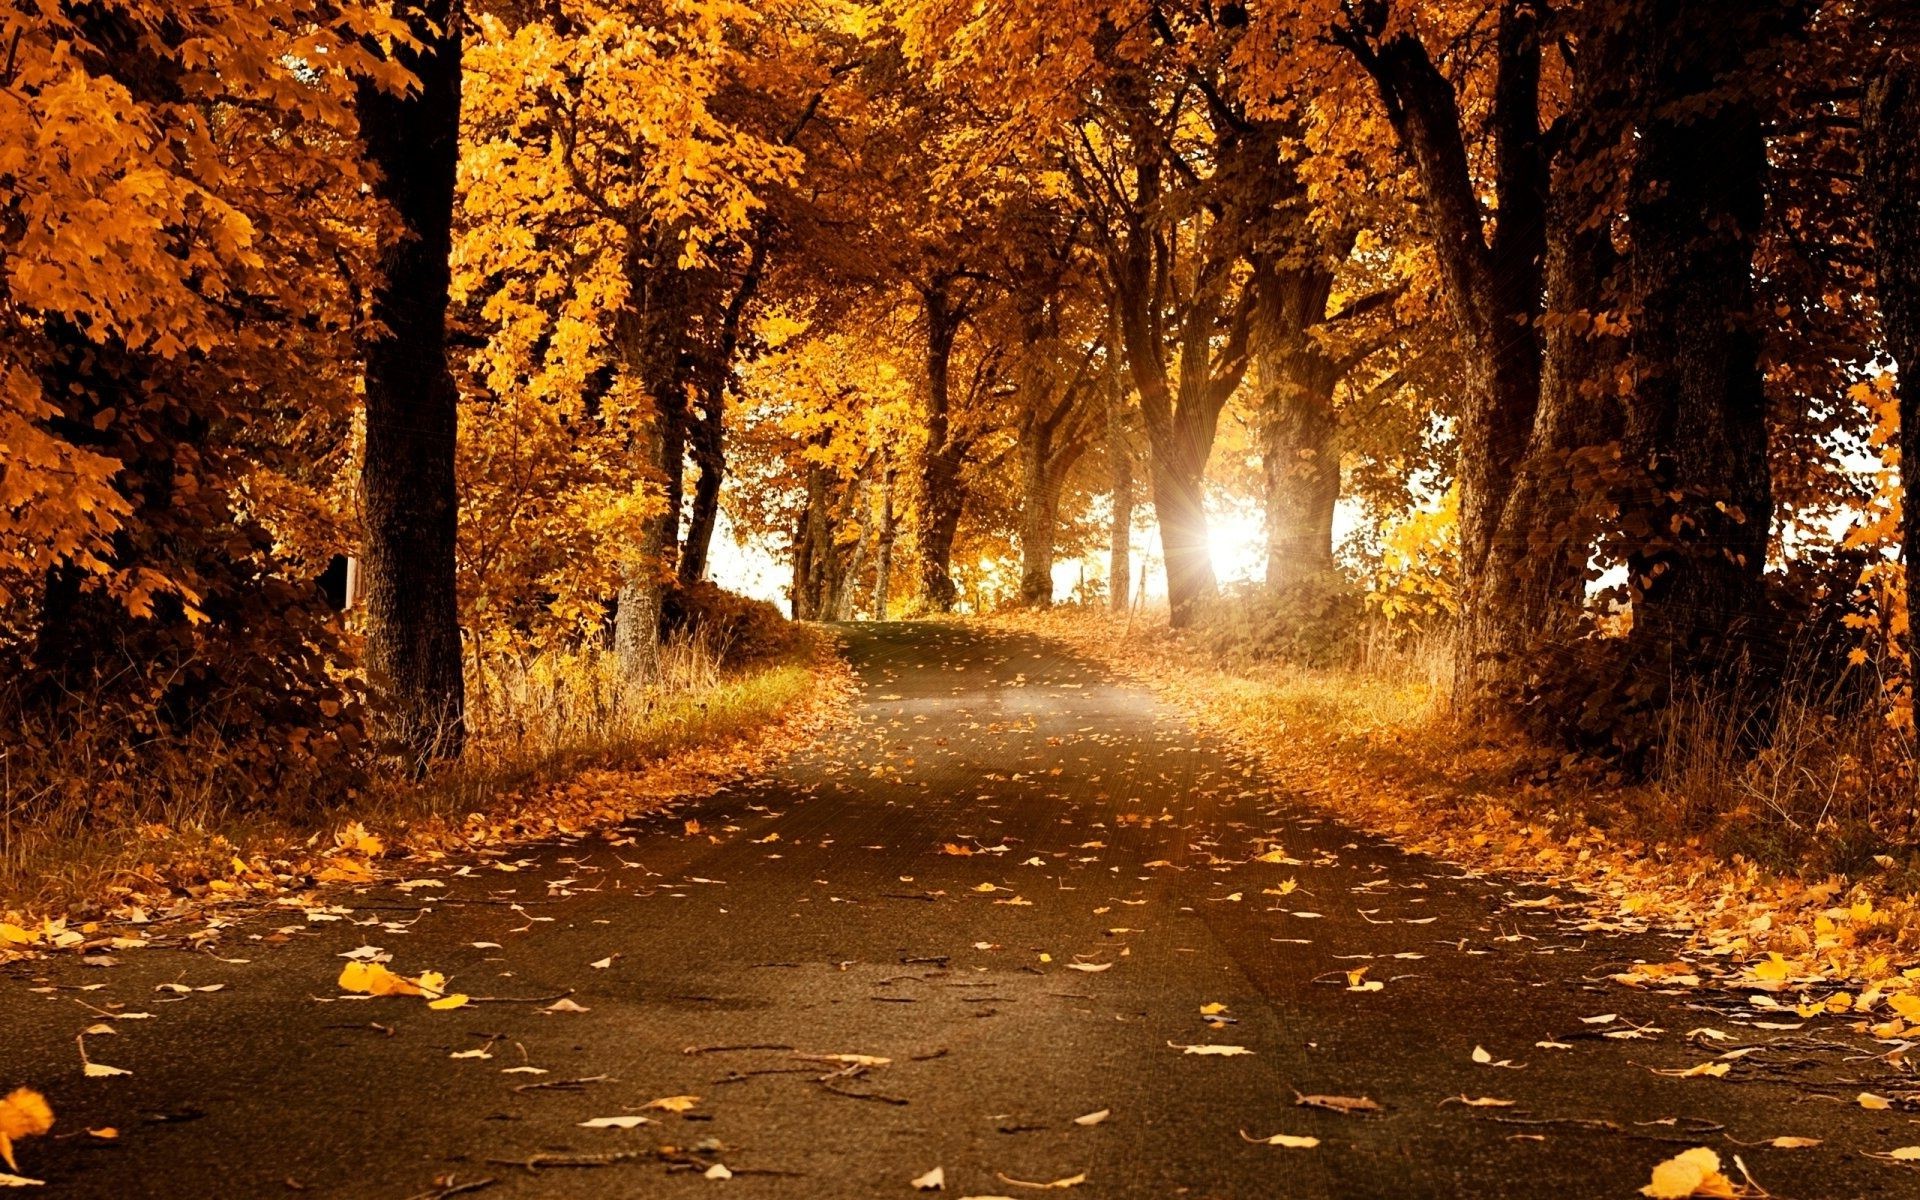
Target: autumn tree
<point>186,237</point>
<point>1890,120</point>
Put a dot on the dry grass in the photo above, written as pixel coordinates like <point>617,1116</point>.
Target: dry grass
<point>1698,849</point>
<point>102,812</point>
<point>1814,782</point>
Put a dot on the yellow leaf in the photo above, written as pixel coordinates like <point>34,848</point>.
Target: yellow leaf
<point>1875,1103</point>
<point>1694,1172</point>
<point>1288,1140</point>
<point>675,1104</point>
<point>373,979</point>
<point>23,1113</point>
<point>452,1000</point>
<point>1794,1143</point>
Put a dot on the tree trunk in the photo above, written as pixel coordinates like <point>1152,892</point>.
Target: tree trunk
<point>941,500</point>
<point>1891,116</point>
<point>816,565</point>
<point>1493,287</point>
<point>1178,502</point>
<point>1700,517</point>
<point>1039,513</point>
<point>1299,452</point>
<point>408,488</point>
<point>1120,486</point>
<point>709,454</point>
<point>636,629</point>
<point>883,567</point>
<point>1534,588</point>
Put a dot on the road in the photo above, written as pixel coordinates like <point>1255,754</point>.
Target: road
<point>1130,891</point>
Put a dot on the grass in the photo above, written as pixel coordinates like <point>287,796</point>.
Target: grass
<point>82,831</point>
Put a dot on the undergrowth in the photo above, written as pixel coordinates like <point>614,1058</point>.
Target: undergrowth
<point>1810,780</point>
<point>100,813</point>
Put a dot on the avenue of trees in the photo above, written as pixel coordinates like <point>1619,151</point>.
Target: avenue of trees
<point>1601,316</point>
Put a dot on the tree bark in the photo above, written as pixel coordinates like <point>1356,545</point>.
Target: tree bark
<point>1700,517</point>
<point>1891,116</point>
<point>408,488</point>
<point>1120,487</point>
<point>1493,287</point>
<point>941,498</point>
<point>707,438</point>
<point>1534,587</point>
<point>1299,435</point>
<point>636,629</point>
<point>883,565</point>
<point>1179,503</point>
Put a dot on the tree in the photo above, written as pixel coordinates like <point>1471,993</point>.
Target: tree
<point>1891,124</point>
<point>408,492</point>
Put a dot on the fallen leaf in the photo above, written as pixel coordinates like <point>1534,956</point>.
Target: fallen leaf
<point>630,1122</point>
<point>1693,1172</point>
<point>1794,1143</point>
<point>1068,1182</point>
<point>673,1104</point>
<point>1282,1139</point>
<point>933,1181</point>
<point>1346,1105</point>
<point>564,1005</point>
<point>716,1171</point>
<point>1093,1118</point>
<point>1090,968</point>
<point>1870,1101</point>
<point>1219,1051</point>
<point>24,1113</point>
<point>1712,1069</point>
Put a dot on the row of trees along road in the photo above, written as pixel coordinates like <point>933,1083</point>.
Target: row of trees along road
<point>513,301</point>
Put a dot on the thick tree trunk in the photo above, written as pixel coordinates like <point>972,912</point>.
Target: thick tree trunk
<point>1493,287</point>
<point>1179,503</point>
<point>408,489</point>
<point>939,524</point>
<point>941,499</point>
<point>1120,487</point>
<point>1039,514</point>
<point>1892,141</point>
<point>1696,416</point>
<point>816,562</point>
<point>1534,587</point>
<point>1299,458</point>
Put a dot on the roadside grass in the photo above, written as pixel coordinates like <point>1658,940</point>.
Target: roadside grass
<point>556,742</point>
<point>1749,850</point>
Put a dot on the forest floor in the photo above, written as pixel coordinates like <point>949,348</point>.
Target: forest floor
<point>1020,924</point>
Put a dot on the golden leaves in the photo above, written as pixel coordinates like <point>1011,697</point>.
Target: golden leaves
<point>24,1113</point>
<point>374,979</point>
<point>1693,1172</point>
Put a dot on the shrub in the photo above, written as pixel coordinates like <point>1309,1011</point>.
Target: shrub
<point>1318,622</point>
<point>740,631</point>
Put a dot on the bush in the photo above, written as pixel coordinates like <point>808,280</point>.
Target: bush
<point>740,630</point>
<point>1318,622</point>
